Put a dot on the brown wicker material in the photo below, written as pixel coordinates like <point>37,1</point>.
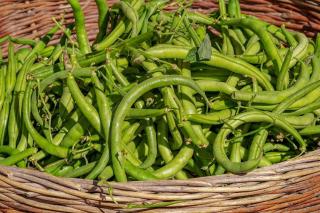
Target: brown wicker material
<point>289,186</point>
<point>32,18</point>
<point>292,186</point>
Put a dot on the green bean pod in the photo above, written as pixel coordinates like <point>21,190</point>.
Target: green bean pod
<point>87,109</point>
<point>217,60</point>
<point>15,158</point>
<point>127,102</point>
<point>251,116</point>
<point>82,36</point>
<point>105,118</point>
<point>40,140</point>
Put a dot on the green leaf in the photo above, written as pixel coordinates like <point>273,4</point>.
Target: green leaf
<point>192,55</point>
<point>204,51</point>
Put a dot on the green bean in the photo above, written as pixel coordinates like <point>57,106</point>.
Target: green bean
<point>181,41</point>
<point>276,157</point>
<point>213,118</point>
<point>189,107</point>
<point>300,50</point>
<point>232,8</point>
<point>222,104</point>
<point>254,59</point>
<point>55,165</point>
<point>127,101</point>
<point>63,171</point>
<point>200,18</point>
<point>66,105</point>
<point>38,156</point>
<point>2,85</point>
<point>40,140</point>
<point>282,81</point>
<point>146,113</point>
<point>105,118</point>
<point>21,83</point>
<point>240,35</point>
<point>310,130</point>
<point>131,132</point>
<point>176,164</point>
<point>163,146</point>
<point>274,97</point>
<point>11,72</point>
<point>300,122</point>
<point>235,155</point>
<point>251,116</point>
<point>112,37</point>
<point>81,32</point>
<point>258,141</point>
<point>106,174</point>
<point>4,115</point>
<point>82,170</point>
<point>13,159</point>
<point>298,97</point>
<point>280,147</point>
<point>213,86</point>
<point>4,39</point>
<point>238,46</point>
<point>152,146</point>
<point>46,52</point>
<point>74,133</point>
<point>222,8</point>
<point>217,60</point>
<point>42,72</point>
<point>138,173</point>
<point>132,15</point>
<point>177,138</point>
<point>56,53</point>
<point>253,46</point>
<point>276,31</point>
<point>258,27</point>
<point>117,31</point>
<point>192,32</point>
<point>168,94</point>
<point>141,23</point>
<point>264,162</point>
<point>306,109</point>
<point>23,142</point>
<point>102,19</point>
<point>34,109</point>
<point>227,47</point>
<point>23,41</point>
<point>8,150</point>
<point>87,109</point>
<point>317,46</point>
<point>194,168</point>
<point>289,37</point>
<point>315,69</point>
<point>75,124</point>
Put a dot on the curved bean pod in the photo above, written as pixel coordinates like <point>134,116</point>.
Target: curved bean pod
<point>82,36</point>
<point>124,107</point>
<point>87,109</point>
<point>251,116</point>
<point>217,60</point>
<point>41,141</point>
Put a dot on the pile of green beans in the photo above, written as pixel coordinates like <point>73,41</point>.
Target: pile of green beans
<point>157,95</point>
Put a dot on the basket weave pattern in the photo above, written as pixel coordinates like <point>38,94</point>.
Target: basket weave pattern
<point>289,186</point>
<point>33,18</point>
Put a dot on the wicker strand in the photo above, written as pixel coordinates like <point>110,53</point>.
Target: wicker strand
<point>292,186</point>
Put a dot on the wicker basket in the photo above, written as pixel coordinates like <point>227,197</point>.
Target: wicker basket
<point>292,186</point>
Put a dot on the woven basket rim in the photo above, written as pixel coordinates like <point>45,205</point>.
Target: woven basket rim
<point>286,173</point>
